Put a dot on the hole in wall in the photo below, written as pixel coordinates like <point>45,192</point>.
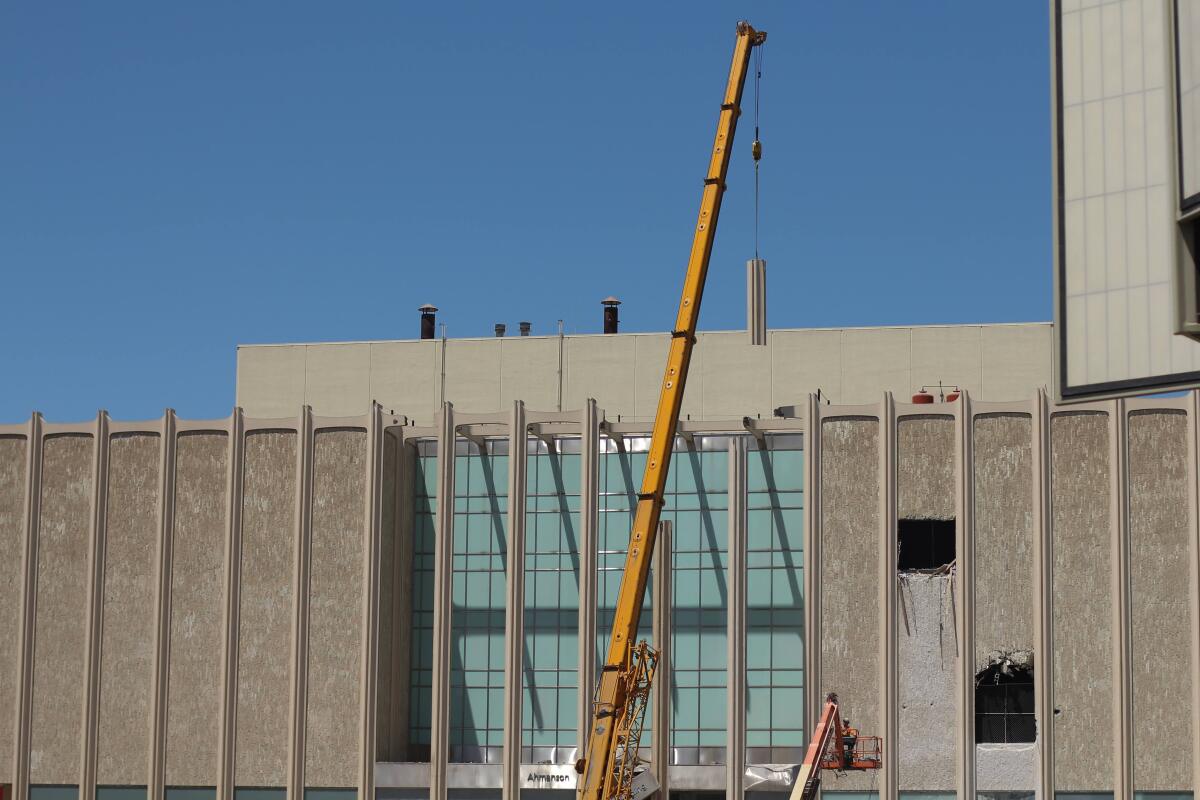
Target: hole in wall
<point>1004,704</point>
<point>925,544</point>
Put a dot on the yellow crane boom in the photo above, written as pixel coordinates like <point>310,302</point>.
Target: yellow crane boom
<point>598,779</point>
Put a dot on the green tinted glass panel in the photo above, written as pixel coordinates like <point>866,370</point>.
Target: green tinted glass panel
<point>120,793</point>
<point>191,793</point>
<point>46,792</point>
<point>424,507</point>
<point>330,794</point>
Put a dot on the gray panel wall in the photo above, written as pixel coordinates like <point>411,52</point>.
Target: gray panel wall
<point>850,646</point>
<point>265,621</point>
<point>1083,611</point>
<point>62,588</point>
<point>197,621</point>
<point>127,632</point>
<point>1159,552</point>
<point>926,652</point>
<point>12,545</point>
<point>335,608</point>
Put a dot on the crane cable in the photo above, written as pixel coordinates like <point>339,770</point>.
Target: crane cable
<point>756,147</point>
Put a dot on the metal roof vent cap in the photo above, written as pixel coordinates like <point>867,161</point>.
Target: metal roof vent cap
<point>611,318</point>
<point>428,320</point>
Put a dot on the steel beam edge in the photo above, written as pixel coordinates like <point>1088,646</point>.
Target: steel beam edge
<point>1122,611</point>
<point>29,557</point>
<point>661,626</point>
<point>514,612</point>
<point>301,575</point>
<point>369,660</point>
<point>811,538</point>
<point>162,631</point>
<point>226,775</point>
<point>589,524</point>
<point>95,606</point>
<point>443,549</point>
<point>735,706</point>
<point>888,665</point>
<point>964,530</point>
<point>1043,673</point>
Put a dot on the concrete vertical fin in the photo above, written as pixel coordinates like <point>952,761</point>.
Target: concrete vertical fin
<point>162,605</point>
<point>368,679</point>
<point>514,612</point>
<point>443,549</point>
<point>889,663</point>
<point>1043,673</point>
<point>735,697</point>
<point>589,524</point>
<point>964,530</point>
<point>1194,570</point>
<point>660,757</point>
<point>301,573</point>
<point>1122,611</point>
<point>232,601</point>
<point>95,606</point>
<point>812,564</point>
<point>29,556</point>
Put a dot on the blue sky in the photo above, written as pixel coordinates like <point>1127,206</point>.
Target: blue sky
<point>178,178</point>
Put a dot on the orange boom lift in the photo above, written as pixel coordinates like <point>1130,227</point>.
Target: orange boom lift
<point>835,746</point>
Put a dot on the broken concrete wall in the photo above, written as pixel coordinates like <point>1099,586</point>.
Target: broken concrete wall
<point>927,647</point>
<point>1159,574</point>
<point>927,656</point>
<point>1083,649</point>
<point>1004,576</point>
<point>849,531</point>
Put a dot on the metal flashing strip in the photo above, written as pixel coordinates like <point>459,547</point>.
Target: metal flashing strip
<point>660,758</point>
<point>95,606</point>
<point>162,631</point>
<point>368,679</point>
<point>735,697</point>
<point>1122,610</point>
<point>301,579</point>
<point>964,530</point>
<point>888,556</point>
<point>439,750</point>
<point>29,556</point>
<point>514,612</point>
<point>589,525</point>
<point>232,601</point>
<point>1043,674</point>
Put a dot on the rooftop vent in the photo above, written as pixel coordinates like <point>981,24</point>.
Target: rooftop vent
<point>500,328</point>
<point>611,320</point>
<point>428,320</point>
<point>526,328</point>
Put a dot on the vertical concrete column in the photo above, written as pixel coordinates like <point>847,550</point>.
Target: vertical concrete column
<point>1194,569</point>
<point>301,573</point>
<point>514,611</point>
<point>661,700</point>
<point>95,605</point>
<point>756,300</point>
<point>1043,662</point>
<point>232,599</point>
<point>29,557</point>
<point>443,551</point>
<point>964,548</point>
<point>889,689</point>
<point>589,525</point>
<point>162,605</point>
<point>1122,611</point>
<point>368,679</point>
<point>811,538</point>
<point>735,695</point>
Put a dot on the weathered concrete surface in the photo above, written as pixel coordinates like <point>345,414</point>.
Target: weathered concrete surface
<point>925,468</point>
<point>12,538</point>
<point>1159,574</point>
<point>265,629</point>
<point>335,608</point>
<point>127,637</point>
<point>850,647</point>
<point>925,751</point>
<point>1006,767</point>
<point>197,609</point>
<point>62,574</point>
<point>1004,574</point>
<point>1004,568</point>
<point>1083,676</point>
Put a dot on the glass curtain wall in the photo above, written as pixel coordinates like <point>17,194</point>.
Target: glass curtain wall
<point>424,505</point>
<point>550,677</point>
<point>697,504</point>
<point>774,599</point>
<point>478,601</point>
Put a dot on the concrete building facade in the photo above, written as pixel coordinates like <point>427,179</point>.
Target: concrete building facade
<point>408,602</point>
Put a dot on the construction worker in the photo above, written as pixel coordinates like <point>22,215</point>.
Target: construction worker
<point>849,740</point>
